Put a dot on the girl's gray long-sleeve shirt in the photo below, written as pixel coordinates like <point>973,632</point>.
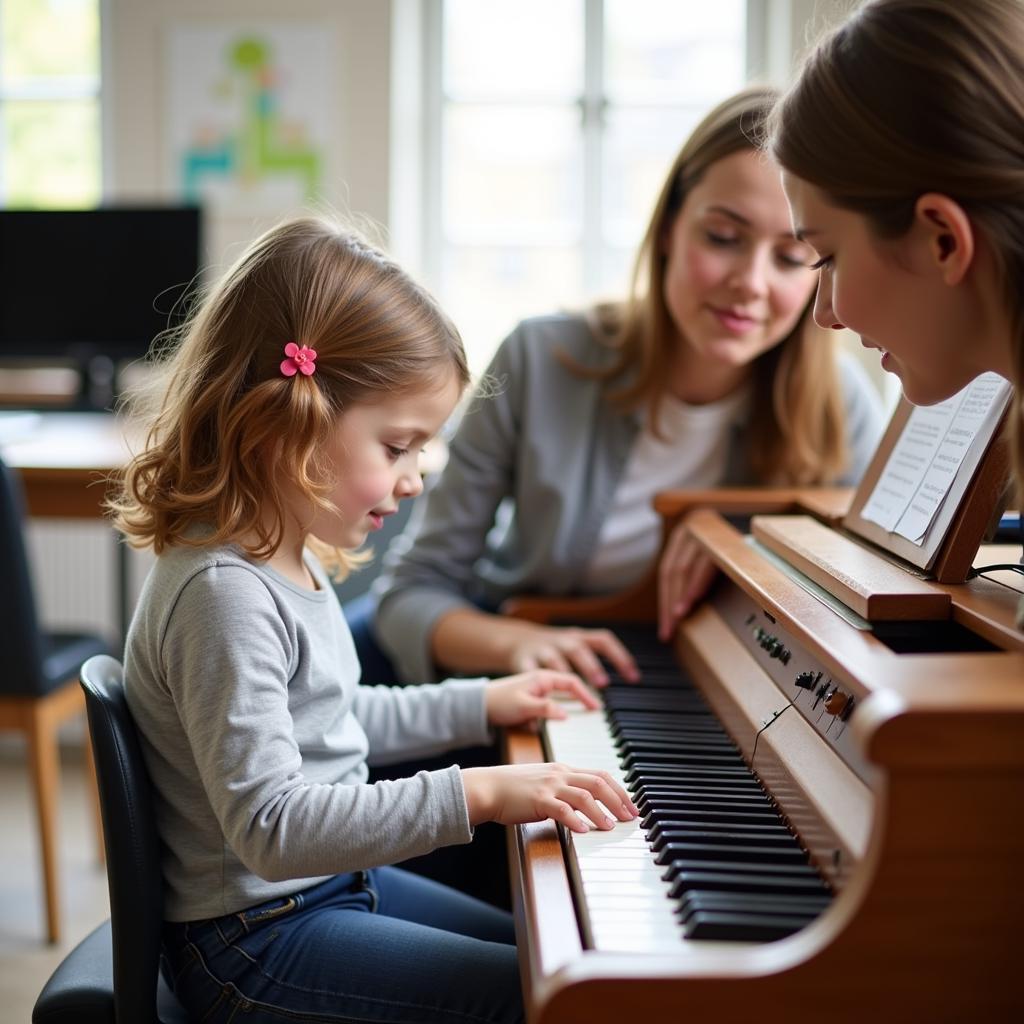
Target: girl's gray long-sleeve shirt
<point>245,690</point>
<point>531,476</point>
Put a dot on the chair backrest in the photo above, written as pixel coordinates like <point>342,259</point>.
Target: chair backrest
<point>132,843</point>
<point>20,637</point>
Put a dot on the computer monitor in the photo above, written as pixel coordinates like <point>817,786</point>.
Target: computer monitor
<point>93,287</point>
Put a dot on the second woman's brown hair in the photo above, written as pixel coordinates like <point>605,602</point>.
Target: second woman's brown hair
<point>796,430</point>
<point>915,96</point>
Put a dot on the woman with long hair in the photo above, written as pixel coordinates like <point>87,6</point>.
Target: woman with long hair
<point>711,373</point>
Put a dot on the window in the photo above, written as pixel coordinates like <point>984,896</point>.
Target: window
<point>556,123</point>
<point>50,103</point>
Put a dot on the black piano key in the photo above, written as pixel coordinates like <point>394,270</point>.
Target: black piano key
<point>695,790</point>
<point>735,852</point>
<point>684,865</point>
<point>667,750</point>
<point>703,722</point>
<point>681,753</point>
<point>716,881</point>
<point>699,813</point>
<point>686,758</point>
<point>741,787</point>
<point>737,871</point>
<point>738,927</point>
<point>772,835</point>
<point>641,699</point>
<point>751,903</point>
<point>651,773</point>
<point>665,809</point>
<point>633,733</point>
<point>712,797</point>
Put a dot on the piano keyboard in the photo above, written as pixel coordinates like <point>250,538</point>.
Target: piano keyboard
<point>710,858</point>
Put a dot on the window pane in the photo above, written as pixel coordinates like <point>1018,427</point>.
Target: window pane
<point>640,145</point>
<point>51,153</point>
<point>657,52</point>
<point>50,38</point>
<point>497,287</point>
<point>512,173</point>
<point>524,50</point>
<point>616,271</point>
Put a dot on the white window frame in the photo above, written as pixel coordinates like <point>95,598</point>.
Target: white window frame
<point>66,88</point>
<point>417,105</point>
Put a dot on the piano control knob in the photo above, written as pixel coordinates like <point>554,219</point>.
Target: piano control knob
<point>805,680</point>
<point>836,701</point>
<point>821,691</point>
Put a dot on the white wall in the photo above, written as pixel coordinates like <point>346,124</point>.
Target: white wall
<point>358,158</point>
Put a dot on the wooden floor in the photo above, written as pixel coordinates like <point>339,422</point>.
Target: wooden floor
<point>26,960</point>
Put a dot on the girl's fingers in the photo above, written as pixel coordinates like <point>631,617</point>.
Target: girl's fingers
<point>566,683</point>
<point>607,790</point>
<point>565,815</point>
<point>583,801</point>
<point>551,709</point>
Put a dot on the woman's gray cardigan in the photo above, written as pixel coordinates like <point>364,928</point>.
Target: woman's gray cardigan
<point>549,450</point>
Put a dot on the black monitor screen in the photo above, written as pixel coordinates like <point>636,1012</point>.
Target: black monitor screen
<point>79,282</point>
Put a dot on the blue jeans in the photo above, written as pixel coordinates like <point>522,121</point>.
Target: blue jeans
<point>379,945</point>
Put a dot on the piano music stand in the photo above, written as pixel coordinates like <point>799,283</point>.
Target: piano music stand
<point>946,556</point>
<point>878,573</point>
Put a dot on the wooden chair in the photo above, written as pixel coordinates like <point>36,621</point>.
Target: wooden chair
<point>38,683</point>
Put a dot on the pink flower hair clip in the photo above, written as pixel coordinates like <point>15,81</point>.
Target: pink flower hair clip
<point>298,360</point>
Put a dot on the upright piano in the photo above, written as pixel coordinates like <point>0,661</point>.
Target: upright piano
<point>830,763</point>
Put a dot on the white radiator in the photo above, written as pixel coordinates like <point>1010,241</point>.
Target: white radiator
<point>74,570</point>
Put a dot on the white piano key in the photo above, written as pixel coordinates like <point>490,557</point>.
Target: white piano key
<point>628,906</point>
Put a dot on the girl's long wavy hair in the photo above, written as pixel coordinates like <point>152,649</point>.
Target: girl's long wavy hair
<point>796,432</point>
<point>226,428</point>
<point>915,96</point>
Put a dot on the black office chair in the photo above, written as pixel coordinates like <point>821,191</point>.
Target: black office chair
<point>38,682</point>
<point>113,974</point>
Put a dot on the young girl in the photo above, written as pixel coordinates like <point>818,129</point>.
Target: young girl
<point>711,374</point>
<point>902,144</point>
<point>295,409</point>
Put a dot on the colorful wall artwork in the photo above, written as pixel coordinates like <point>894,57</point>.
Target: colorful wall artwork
<point>248,115</point>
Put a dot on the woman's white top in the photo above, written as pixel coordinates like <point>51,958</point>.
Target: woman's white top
<point>693,452</point>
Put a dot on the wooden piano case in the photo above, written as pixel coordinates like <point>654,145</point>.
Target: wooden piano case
<point>913,806</point>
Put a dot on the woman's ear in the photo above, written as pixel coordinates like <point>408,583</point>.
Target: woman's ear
<point>948,233</point>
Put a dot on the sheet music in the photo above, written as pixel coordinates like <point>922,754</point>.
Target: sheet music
<point>934,448</point>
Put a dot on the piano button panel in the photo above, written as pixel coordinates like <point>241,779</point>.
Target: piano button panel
<point>827,704</point>
<point>711,858</point>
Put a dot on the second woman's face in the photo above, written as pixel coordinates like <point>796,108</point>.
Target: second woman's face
<point>893,295</point>
<point>736,278</point>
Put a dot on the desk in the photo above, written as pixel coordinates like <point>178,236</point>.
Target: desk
<point>63,459</point>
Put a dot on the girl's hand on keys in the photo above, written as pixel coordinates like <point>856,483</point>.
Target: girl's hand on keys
<point>518,700</point>
<point>520,793</point>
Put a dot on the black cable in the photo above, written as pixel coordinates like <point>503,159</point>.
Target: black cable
<point>1007,566</point>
